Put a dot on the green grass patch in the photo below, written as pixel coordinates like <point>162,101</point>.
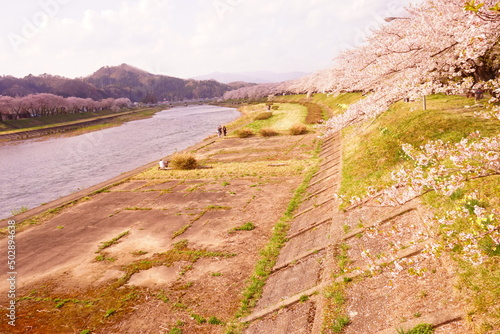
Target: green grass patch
<point>215,321</point>
<point>175,330</point>
<point>334,104</point>
<point>139,253</point>
<point>135,208</point>
<point>335,316</point>
<point>270,252</point>
<point>113,241</point>
<point>282,119</point>
<point>245,227</point>
<point>373,150</point>
<point>419,329</point>
<point>477,283</point>
<point>199,319</point>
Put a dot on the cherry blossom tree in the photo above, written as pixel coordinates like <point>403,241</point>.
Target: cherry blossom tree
<point>437,46</point>
<point>122,103</point>
<point>35,105</point>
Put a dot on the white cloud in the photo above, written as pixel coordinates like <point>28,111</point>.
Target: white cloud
<point>185,38</point>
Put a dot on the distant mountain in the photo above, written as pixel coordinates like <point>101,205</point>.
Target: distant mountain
<point>253,77</point>
<point>115,81</point>
<point>240,84</point>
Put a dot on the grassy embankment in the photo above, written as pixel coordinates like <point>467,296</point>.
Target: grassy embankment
<point>258,120</point>
<point>329,105</point>
<point>37,123</point>
<point>372,151</point>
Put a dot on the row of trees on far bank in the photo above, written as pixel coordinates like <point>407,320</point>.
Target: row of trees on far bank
<point>37,105</point>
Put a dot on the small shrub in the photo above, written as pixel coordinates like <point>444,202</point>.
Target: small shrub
<point>263,116</point>
<point>244,133</point>
<point>113,241</point>
<point>183,161</point>
<point>304,298</point>
<point>161,296</point>
<point>100,257</point>
<point>215,321</point>
<point>245,227</point>
<point>110,312</point>
<point>419,329</point>
<point>298,129</point>
<point>339,324</point>
<point>16,212</point>
<point>139,253</point>
<point>268,132</point>
<point>199,319</point>
<point>175,330</point>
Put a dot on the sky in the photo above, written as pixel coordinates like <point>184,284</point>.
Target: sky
<point>183,38</point>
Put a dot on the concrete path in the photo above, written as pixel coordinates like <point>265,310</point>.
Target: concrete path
<point>384,292</point>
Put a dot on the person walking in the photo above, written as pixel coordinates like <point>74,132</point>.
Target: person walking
<point>224,130</point>
<point>219,131</point>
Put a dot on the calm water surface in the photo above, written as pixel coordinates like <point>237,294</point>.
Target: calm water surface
<point>35,172</point>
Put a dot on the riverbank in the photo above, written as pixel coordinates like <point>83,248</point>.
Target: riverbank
<point>195,235</point>
<point>255,244</point>
<point>77,126</point>
<point>60,166</point>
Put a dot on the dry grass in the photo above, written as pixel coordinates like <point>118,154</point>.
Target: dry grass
<point>298,129</point>
<point>244,133</point>
<point>263,116</point>
<point>183,161</point>
<point>231,170</point>
<point>268,132</point>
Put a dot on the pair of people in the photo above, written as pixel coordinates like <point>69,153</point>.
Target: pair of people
<point>221,130</point>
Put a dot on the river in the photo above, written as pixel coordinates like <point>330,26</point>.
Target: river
<point>34,172</point>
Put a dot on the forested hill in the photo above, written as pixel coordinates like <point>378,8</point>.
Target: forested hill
<point>115,82</point>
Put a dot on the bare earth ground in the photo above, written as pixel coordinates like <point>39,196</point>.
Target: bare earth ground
<point>149,280</point>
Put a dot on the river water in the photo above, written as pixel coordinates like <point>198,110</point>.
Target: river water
<point>38,171</point>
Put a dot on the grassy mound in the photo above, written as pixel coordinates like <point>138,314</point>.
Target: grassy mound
<point>298,129</point>
<point>184,161</point>
<point>263,116</point>
<point>268,132</point>
<point>244,133</point>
